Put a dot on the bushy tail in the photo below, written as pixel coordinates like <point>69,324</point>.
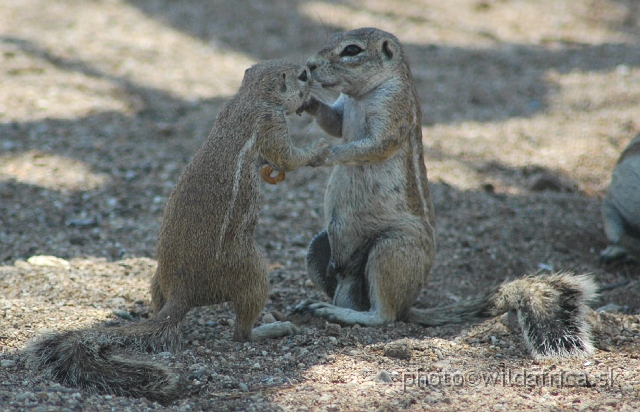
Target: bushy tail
<point>468,310</point>
<point>80,358</point>
<point>552,311</point>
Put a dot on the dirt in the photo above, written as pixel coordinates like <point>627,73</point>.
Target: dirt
<point>526,106</point>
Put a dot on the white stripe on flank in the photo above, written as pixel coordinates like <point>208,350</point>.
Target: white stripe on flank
<point>236,187</point>
<point>416,167</point>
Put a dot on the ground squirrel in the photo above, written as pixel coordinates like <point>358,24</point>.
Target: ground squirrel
<point>206,249</point>
<point>621,206</point>
<point>379,245</point>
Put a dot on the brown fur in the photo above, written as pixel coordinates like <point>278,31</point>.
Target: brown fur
<point>379,246</point>
<point>206,249</point>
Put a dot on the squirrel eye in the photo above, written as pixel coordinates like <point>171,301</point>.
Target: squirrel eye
<point>303,76</point>
<point>351,50</point>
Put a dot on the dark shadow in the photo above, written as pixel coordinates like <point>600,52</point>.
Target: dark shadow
<point>494,84</point>
<point>151,103</point>
<point>143,154</point>
<point>629,24</point>
<point>255,28</point>
<point>498,176</point>
<point>455,83</point>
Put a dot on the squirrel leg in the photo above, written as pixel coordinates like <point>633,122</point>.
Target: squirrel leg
<point>248,308</point>
<point>251,285</point>
<point>394,253</point>
<point>345,285</point>
<point>158,299</point>
<point>614,228</point>
<point>390,296</point>
<point>318,261</point>
<point>246,315</point>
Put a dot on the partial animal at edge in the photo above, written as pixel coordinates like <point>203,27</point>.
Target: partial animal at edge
<point>621,207</point>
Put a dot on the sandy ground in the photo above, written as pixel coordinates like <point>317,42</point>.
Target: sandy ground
<point>103,103</point>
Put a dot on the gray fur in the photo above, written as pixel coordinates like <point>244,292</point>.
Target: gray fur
<point>206,249</point>
<point>379,246</point>
<point>552,312</point>
<point>621,206</point>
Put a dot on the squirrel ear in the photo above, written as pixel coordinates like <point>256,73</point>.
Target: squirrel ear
<point>283,82</point>
<point>247,72</point>
<point>388,49</point>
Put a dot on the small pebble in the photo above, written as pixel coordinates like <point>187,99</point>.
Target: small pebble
<point>24,396</point>
<point>279,316</point>
<point>49,261</point>
<point>383,377</point>
<point>332,329</point>
<point>7,363</point>
<point>398,350</point>
<point>123,314</point>
<point>610,308</point>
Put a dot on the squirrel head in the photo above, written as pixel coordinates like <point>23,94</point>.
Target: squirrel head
<point>357,61</point>
<point>278,82</point>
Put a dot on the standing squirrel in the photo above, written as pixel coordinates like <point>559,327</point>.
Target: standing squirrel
<point>374,257</point>
<point>206,249</point>
<point>621,206</point>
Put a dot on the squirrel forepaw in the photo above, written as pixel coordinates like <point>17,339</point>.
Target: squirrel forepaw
<point>322,149</point>
<point>303,306</point>
<point>310,106</point>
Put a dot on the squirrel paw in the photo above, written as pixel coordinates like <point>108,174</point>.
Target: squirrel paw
<point>310,306</point>
<point>273,180</point>
<point>303,306</point>
<point>613,254</point>
<point>310,106</point>
<point>274,330</point>
<point>321,309</point>
<point>322,149</point>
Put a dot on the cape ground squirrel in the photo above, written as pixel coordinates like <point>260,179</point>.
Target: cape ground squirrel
<point>206,249</point>
<point>621,205</point>
<point>379,245</point>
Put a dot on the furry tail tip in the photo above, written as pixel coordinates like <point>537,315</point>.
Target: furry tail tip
<point>552,312</point>
<point>79,359</point>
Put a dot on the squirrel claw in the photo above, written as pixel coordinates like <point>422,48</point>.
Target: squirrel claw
<point>273,180</point>
<point>303,306</point>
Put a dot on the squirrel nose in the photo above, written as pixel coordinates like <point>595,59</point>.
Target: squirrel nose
<point>312,63</point>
